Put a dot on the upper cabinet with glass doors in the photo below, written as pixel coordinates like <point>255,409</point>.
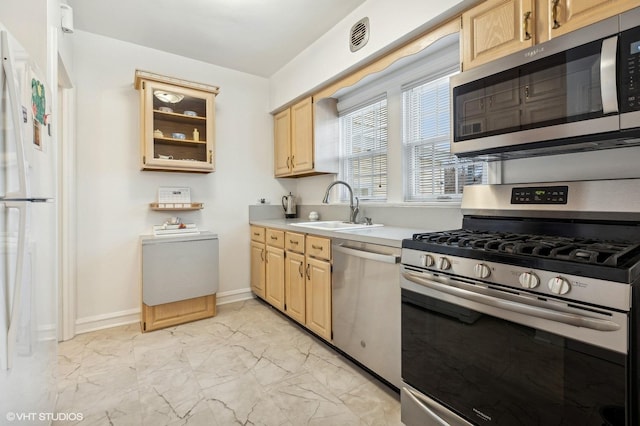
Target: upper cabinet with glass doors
<point>177,123</point>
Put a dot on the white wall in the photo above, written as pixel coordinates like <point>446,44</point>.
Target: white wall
<point>390,22</point>
<point>28,22</point>
<point>113,195</point>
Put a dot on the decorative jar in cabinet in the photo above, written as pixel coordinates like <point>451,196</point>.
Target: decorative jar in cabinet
<point>177,130</point>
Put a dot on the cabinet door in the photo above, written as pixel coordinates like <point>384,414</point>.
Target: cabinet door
<point>274,291</point>
<point>258,268</point>
<point>294,286</point>
<point>282,143</point>
<point>495,29</point>
<point>568,15</point>
<point>302,136</point>
<point>176,135</point>
<point>318,295</point>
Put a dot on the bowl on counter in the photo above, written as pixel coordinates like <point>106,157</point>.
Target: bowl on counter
<point>191,113</point>
<point>178,136</point>
<point>165,109</point>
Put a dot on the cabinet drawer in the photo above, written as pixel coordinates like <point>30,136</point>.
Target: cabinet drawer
<point>275,238</point>
<point>294,242</point>
<point>257,234</point>
<point>317,247</point>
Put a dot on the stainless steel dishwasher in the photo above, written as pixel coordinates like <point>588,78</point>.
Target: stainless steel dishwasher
<point>366,305</point>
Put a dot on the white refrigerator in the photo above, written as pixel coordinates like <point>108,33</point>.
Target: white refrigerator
<point>28,241</point>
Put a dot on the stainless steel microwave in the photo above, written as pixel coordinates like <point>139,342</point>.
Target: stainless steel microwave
<point>580,91</point>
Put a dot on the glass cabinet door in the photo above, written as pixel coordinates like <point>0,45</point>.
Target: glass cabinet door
<point>177,129</point>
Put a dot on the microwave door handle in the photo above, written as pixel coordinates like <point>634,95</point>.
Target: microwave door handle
<point>608,76</point>
<point>442,284</point>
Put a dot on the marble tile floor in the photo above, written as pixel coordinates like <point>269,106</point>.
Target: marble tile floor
<point>248,365</point>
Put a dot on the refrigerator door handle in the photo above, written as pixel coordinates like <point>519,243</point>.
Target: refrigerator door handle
<point>16,304</point>
<point>9,72</point>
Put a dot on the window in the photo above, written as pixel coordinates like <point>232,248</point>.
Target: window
<point>394,132</point>
<point>431,171</point>
<point>363,146</point>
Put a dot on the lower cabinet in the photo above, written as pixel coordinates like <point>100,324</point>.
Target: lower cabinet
<point>292,272</point>
<point>258,273</point>
<point>274,285</point>
<point>258,261</point>
<point>274,293</point>
<point>294,286</point>
<point>318,295</point>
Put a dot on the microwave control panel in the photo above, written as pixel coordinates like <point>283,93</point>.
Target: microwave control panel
<point>629,72</point>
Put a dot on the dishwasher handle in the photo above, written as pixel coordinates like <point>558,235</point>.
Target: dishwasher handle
<point>369,255</point>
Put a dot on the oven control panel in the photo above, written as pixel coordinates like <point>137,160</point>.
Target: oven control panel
<point>540,195</point>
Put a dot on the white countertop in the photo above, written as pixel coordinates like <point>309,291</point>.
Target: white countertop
<point>385,235</point>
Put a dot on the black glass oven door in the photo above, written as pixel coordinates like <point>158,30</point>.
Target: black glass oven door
<point>492,371</point>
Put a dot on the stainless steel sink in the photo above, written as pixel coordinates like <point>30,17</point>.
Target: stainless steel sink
<point>334,225</point>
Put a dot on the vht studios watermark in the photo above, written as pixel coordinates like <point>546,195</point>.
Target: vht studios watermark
<point>43,417</point>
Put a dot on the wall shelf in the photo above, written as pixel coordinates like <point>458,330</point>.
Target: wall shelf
<point>166,207</point>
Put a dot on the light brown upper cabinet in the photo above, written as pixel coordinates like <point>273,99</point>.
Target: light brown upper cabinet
<point>301,147</point>
<point>177,131</point>
<point>496,28</point>
<point>564,16</point>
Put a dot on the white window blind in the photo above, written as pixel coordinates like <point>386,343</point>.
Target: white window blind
<point>432,172</point>
<point>363,142</point>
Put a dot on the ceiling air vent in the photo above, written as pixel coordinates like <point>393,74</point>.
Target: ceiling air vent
<point>359,34</point>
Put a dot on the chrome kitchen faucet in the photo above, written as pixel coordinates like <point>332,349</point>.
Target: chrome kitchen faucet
<point>353,216</point>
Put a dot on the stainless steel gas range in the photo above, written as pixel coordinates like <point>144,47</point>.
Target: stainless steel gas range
<point>528,314</point>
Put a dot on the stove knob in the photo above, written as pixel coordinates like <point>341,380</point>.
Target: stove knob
<point>427,260</point>
<point>443,263</point>
<point>529,280</point>
<point>481,270</point>
<point>559,285</point>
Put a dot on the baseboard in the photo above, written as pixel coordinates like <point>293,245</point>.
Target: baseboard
<point>132,316</point>
<point>233,296</point>
<point>100,322</point>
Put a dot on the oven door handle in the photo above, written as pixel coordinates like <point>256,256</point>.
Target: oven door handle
<point>419,402</point>
<point>444,285</point>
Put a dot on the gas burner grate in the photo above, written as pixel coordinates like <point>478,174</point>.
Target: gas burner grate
<point>581,250</point>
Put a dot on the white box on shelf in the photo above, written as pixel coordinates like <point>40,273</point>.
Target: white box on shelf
<point>174,195</point>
